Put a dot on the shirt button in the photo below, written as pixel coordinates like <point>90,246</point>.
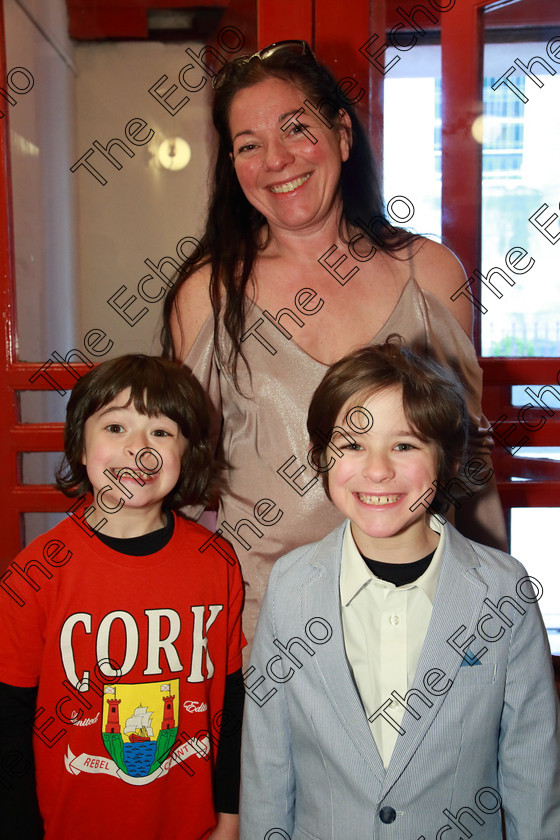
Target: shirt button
<point>394,620</point>
<point>387,814</point>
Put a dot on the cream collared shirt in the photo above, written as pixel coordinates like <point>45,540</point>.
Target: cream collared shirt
<point>384,629</point>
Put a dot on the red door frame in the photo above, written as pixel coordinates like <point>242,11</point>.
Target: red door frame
<point>337,39</point>
<point>462,45</point>
<point>17,498</point>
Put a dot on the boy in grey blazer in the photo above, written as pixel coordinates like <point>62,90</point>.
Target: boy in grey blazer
<point>400,684</point>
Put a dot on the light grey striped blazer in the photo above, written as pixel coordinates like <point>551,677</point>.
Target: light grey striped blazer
<point>480,729</point>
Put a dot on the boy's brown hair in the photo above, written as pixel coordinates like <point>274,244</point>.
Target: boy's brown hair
<point>433,403</point>
<point>157,386</point>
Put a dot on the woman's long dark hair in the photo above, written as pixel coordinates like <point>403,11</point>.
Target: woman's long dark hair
<point>233,228</point>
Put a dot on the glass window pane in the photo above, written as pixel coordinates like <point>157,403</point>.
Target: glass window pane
<point>520,397</point>
<point>533,534</point>
<point>42,406</point>
<point>521,137</point>
<point>40,467</point>
<point>412,135</point>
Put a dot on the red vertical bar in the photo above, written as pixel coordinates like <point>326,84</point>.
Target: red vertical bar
<point>338,38</point>
<point>11,536</point>
<point>461,168</point>
<point>243,15</point>
<point>284,21</point>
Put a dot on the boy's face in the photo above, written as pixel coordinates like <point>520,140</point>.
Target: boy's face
<point>113,437</point>
<point>380,478</point>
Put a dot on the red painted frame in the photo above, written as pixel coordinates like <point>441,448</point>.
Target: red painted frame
<point>462,47</point>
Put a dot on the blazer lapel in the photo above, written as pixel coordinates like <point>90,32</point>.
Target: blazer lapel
<point>322,598</point>
<point>457,604</point>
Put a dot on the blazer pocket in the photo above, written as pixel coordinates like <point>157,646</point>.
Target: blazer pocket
<point>482,674</point>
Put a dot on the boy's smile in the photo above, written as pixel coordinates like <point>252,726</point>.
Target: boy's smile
<point>379,479</point>
<point>125,474</point>
<point>113,438</point>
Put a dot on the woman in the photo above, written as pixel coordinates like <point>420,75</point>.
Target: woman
<point>258,318</point>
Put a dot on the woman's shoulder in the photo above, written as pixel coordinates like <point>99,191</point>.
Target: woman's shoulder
<point>192,309</point>
<point>438,271</point>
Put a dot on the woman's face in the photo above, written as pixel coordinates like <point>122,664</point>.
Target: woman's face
<point>286,158</point>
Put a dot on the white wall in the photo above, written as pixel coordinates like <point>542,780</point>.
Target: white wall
<point>143,210</point>
<point>41,142</point>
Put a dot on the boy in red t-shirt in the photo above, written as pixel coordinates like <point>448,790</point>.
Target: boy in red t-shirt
<point>120,629</point>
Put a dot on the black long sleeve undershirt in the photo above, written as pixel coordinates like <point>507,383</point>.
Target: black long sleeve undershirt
<point>19,810</point>
<point>228,772</point>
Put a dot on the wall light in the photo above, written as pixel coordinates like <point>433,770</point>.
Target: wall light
<point>174,153</point>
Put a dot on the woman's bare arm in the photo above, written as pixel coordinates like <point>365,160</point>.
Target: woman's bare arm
<point>190,311</point>
<point>438,271</point>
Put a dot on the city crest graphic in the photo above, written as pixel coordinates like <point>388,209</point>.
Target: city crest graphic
<point>139,729</point>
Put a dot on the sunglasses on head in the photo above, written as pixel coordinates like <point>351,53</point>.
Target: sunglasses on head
<point>297,48</point>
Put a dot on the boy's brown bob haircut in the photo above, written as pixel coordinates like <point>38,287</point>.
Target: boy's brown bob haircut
<point>433,403</point>
<point>157,386</point>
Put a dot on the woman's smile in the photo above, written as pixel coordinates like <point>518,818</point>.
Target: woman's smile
<point>290,186</point>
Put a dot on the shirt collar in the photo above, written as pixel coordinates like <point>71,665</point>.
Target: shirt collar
<point>355,575</point>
